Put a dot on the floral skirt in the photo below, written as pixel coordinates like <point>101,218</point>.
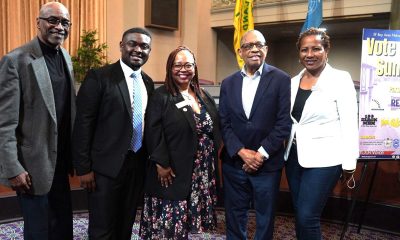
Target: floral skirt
<point>170,219</point>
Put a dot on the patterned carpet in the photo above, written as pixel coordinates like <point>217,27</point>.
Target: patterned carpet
<point>284,230</point>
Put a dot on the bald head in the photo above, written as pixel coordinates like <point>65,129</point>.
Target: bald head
<point>50,6</point>
<point>53,24</point>
<point>253,50</point>
<point>256,33</point>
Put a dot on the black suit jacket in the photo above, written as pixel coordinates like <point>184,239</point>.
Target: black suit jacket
<point>103,125</point>
<point>172,141</point>
<point>269,122</point>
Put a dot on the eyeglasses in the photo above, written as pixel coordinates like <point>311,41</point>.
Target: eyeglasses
<point>55,21</point>
<point>249,46</point>
<point>133,44</point>
<point>179,66</point>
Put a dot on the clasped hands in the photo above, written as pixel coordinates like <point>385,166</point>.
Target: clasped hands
<point>253,160</point>
<point>165,175</point>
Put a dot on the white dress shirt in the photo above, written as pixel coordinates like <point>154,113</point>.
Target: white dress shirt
<point>249,89</point>
<point>129,82</point>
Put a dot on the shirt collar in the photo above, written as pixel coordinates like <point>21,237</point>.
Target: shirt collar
<point>256,74</point>
<point>128,71</point>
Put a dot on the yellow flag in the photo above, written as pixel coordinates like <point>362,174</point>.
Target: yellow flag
<point>243,21</point>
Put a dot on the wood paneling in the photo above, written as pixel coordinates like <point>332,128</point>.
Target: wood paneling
<point>386,188</point>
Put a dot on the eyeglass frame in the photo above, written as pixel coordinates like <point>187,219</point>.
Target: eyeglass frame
<point>188,66</point>
<point>58,21</point>
<point>249,46</point>
<point>133,44</point>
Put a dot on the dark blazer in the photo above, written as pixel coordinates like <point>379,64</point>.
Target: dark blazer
<point>269,122</point>
<point>103,125</point>
<point>172,141</point>
<point>28,121</point>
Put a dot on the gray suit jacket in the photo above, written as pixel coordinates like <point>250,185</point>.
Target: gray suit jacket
<point>28,122</point>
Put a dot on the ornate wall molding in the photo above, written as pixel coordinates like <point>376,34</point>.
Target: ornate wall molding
<point>228,5</point>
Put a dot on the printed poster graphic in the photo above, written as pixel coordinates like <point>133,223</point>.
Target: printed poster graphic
<point>379,107</point>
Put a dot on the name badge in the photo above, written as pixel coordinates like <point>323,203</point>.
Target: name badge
<point>182,104</point>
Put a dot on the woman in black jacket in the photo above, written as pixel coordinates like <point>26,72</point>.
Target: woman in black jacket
<point>182,137</point>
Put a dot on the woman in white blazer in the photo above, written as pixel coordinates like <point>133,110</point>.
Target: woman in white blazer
<point>324,139</point>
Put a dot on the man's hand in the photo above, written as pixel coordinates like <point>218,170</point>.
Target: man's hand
<point>165,175</point>
<point>251,161</point>
<point>247,169</point>
<point>259,158</point>
<point>21,183</point>
<point>88,182</point>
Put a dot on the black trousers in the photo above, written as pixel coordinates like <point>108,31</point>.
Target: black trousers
<point>112,206</point>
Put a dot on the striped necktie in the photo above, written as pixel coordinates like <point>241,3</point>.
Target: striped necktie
<point>137,115</point>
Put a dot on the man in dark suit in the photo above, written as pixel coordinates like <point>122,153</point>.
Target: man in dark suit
<point>36,116</point>
<point>254,111</point>
<point>107,140</point>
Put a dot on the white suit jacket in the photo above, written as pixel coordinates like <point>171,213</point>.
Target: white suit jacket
<point>327,133</point>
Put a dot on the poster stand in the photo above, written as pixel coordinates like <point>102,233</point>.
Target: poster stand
<point>357,190</point>
<point>379,107</point>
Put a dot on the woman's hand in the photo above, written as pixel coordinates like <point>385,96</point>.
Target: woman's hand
<point>165,175</point>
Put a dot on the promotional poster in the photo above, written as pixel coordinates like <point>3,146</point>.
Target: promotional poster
<point>379,106</point>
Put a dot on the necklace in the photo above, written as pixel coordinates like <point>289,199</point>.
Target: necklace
<point>192,100</point>
<point>186,95</point>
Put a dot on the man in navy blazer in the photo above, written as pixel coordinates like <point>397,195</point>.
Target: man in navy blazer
<point>255,121</point>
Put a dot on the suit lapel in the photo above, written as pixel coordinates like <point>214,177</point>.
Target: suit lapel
<point>262,86</point>
<point>72,84</point>
<point>208,105</point>
<point>237,94</point>
<point>69,66</point>
<point>148,82</point>
<point>119,77</point>
<point>295,83</point>
<point>315,95</point>
<point>42,77</point>
<point>185,110</point>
